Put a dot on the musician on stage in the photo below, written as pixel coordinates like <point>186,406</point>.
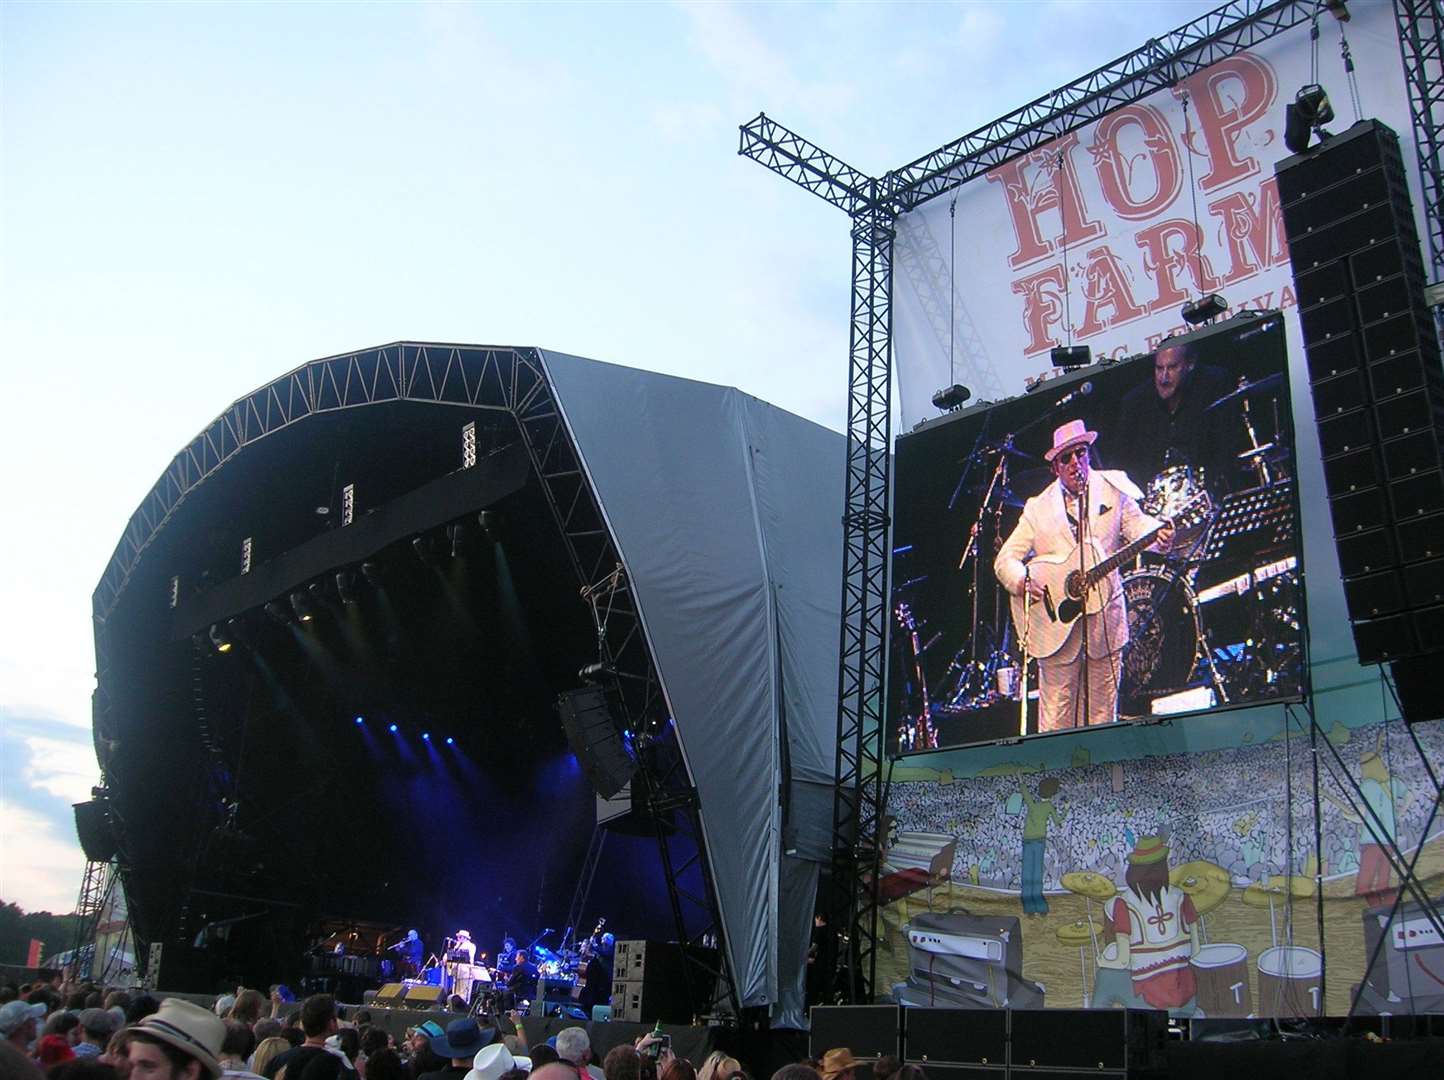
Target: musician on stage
<point>412,953</point>
<point>462,944</point>
<point>1078,683</point>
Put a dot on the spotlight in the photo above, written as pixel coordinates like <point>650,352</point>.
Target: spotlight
<point>951,397</point>
<point>391,728</point>
<point>360,720</point>
<point>456,532</point>
<point>1071,356</point>
<point>593,673</point>
<point>426,736</point>
<point>301,605</point>
<point>450,741</point>
<point>422,547</point>
<point>1308,112</point>
<point>219,639</point>
<point>490,522</point>
<point>346,586</point>
<point>1204,309</point>
<point>371,571</point>
<point>277,610</point>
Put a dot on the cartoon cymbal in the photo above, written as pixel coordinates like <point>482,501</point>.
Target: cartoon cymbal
<point>1271,890</point>
<point>1077,932</point>
<point>1206,883</point>
<point>1089,883</point>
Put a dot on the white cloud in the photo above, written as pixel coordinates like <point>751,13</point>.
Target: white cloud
<point>39,869</point>
<point>64,768</point>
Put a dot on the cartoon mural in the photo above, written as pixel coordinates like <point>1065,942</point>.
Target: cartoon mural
<point>1138,867</point>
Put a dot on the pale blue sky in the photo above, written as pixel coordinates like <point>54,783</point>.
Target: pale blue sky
<point>197,197</point>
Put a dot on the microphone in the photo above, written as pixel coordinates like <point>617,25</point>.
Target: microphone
<point>1082,391</point>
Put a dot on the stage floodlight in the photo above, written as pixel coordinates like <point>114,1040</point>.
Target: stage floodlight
<point>456,533</point>
<point>391,728</point>
<point>1204,309</point>
<point>490,522</point>
<point>246,547</point>
<point>595,673</point>
<point>371,571</point>
<point>348,504</point>
<point>1071,356</point>
<point>219,639</point>
<point>468,444</point>
<point>951,397</point>
<point>301,605</point>
<point>360,720</point>
<point>346,586</point>
<point>426,736</point>
<point>174,591</point>
<point>1307,113</point>
<point>450,741</point>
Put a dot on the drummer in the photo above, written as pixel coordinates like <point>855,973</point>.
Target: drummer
<point>1168,420</point>
<point>1155,928</point>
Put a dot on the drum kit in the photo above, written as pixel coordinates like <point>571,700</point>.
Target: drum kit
<point>1181,639</point>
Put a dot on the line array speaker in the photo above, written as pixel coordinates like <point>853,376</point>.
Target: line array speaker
<point>1378,390</point>
<point>869,1031</point>
<point>596,739</point>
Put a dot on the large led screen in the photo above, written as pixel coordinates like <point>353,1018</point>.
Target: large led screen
<point>1129,528</point>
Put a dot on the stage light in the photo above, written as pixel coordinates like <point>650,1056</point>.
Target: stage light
<point>490,522</point>
<point>219,639</point>
<point>360,720</point>
<point>346,586</point>
<point>1071,356</point>
<point>277,610</point>
<point>468,444</point>
<point>456,531</point>
<point>450,741</point>
<point>951,397</point>
<point>597,672</point>
<point>392,729</point>
<point>348,504</point>
<point>301,605</point>
<point>1203,309</point>
<point>1308,112</point>
<point>422,547</point>
<point>371,571</point>
<point>426,736</point>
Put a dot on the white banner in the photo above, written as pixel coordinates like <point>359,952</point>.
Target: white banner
<point>1133,253</point>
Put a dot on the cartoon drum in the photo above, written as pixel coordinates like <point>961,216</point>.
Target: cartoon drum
<point>1221,972</point>
<point>1288,981</point>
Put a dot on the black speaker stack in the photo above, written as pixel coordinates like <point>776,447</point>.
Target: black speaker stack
<point>1378,389</point>
<point>596,739</point>
<point>651,982</point>
<point>998,1044</point>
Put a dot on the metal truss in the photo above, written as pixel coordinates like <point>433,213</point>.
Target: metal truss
<point>95,886</point>
<point>1421,42</point>
<point>511,380</point>
<point>1159,64</point>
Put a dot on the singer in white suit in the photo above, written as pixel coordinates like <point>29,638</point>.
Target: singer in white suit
<point>1049,526</point>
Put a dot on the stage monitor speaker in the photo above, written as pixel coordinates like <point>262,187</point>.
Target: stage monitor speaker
<point>935,1037</point>
<point>596,739</point>
<point>869,1031</point>
<point>635,1002</point>
<point>390,994</point>
<point>93,827</point>
<point>424,997</point>
<point>1093,1041</point>
<point>1375,375</point>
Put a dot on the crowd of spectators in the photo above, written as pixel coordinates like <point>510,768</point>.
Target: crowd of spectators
<point>82,1032</point>
<point>1227,806</point>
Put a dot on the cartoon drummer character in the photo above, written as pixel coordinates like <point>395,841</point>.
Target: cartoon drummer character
<point>1155,928</point>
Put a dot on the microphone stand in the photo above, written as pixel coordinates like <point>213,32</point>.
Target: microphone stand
<point>1082,577</point>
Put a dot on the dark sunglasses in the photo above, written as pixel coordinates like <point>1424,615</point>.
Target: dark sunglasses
<point>1068,455</point>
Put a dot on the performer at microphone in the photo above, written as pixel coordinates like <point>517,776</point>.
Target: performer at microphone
<point>1078,683</point>
<point>461,948</point>
<point>412,952</point>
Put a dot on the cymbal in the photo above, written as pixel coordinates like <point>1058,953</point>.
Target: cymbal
<point>1005,447</point>
<point>1075,933</point>
<point>1090,884</point>
<point>1258,386</point>
<point>1276,890</point>
<point>1206,883</point>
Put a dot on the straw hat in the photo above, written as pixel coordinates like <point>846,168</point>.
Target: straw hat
<point>189,1028</point>
<point>1070,434</point>
<point>836,1062</point>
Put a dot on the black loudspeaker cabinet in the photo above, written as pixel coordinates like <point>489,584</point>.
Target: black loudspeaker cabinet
<point>1378,388</point>
<point>1091,1042</point>
<point>869,1031</point>
<point>650,981</point>
<point>956,1042</point>
<point>94,829</point>
<point>596,739</point>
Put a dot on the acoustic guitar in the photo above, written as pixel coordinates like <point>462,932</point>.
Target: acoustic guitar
<point>1079,581</point>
